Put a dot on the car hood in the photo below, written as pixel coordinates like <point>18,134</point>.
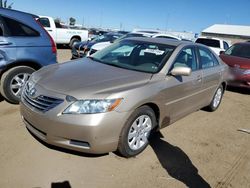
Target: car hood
<point>234,61</point>
<point>87,78</point>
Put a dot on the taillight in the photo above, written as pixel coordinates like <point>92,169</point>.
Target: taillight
<point>52,42</point>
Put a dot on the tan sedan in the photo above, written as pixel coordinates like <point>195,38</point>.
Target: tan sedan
<point>116,98</point>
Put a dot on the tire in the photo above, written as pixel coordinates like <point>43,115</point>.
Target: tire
<point>73,41</point>
<point>134,138</point>
<point>215,103</point>
<point>12,82</point>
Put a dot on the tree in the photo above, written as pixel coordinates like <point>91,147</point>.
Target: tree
<point>72,21</point>
<point>5,4</point>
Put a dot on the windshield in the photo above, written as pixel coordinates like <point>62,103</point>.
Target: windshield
<point>239,50</point>
<point>135,55</point>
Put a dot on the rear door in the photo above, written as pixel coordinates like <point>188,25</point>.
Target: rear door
<point>211,73</point>
<point>31,42</point>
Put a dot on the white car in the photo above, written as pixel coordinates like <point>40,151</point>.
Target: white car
<point>216,44</point>
<point>61,33</point>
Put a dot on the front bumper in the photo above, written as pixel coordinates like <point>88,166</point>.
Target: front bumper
<point>90,133</point>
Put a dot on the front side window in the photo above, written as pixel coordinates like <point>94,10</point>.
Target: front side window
<point>16,28</point>
<point>135,55</point>
<point>206,58</point>
<point>186,58</point>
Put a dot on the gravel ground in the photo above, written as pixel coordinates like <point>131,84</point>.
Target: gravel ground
<point>202,150</point>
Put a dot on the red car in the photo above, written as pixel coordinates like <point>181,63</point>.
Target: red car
<point>237,57</point>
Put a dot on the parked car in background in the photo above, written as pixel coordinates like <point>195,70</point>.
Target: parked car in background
<point>117,97</point>
<point>217,45</point>
<point>81,49</point>
<point>62,34</point>
<point>237,57</point>
<point>93,33</point>
<point>24,47</point>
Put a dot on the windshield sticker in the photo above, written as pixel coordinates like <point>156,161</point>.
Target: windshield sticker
<point>154,51</point>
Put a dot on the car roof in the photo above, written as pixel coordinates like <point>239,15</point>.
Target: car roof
<point>160,41</point>
<point>243,43</point>
<point>16,12</point>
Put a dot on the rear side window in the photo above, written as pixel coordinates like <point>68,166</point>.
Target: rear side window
<point>44,22</point>
<point>16,28</point>
<point>207,59</point>
<point>209,42</point>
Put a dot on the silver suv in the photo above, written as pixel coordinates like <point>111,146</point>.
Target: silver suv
<point>24,48</point>
<point>116,98</point>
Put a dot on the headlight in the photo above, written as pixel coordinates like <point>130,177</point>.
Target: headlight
<point>246,71</point>
<point>92,106</point>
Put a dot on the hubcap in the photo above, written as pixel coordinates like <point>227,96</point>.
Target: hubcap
<point>17,83</point>
<point>139,132</point>
<point>217,97</point>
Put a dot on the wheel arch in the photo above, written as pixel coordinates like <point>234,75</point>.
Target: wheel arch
<point>27,63</point>
<point>76,37</point>
<point>156,110</point>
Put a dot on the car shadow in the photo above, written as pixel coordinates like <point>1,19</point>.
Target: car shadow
<point>72,152</point>
<point>238,90</point>
<point>64,184</point>
<point>176,163</point>
<point>1,98</point>
<point>62,46</point>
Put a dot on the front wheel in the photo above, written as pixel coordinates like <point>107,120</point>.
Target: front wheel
<point>215,103</point>
<point>13,81</point>
<point>134,136</point>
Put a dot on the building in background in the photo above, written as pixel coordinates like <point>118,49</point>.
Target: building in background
<point>230,33</point>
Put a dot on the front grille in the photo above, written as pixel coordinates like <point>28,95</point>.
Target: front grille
<point>41,103</point>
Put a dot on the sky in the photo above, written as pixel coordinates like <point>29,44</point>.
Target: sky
<point>175,15</point>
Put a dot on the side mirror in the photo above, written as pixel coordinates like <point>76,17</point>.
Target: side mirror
<point>222,52</point>
<point>181,71</point>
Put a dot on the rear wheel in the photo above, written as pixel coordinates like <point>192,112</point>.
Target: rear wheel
<point>215,103</point>
<point>134,136</point>
<point>12,83</point>
<point>73,41</point>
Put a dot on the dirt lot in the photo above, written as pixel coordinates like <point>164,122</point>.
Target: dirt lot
<point>202,150</point>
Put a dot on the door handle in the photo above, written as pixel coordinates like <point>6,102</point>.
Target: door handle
<point>49,30</point>
<point>3,43</point>
<point>199,78</point>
